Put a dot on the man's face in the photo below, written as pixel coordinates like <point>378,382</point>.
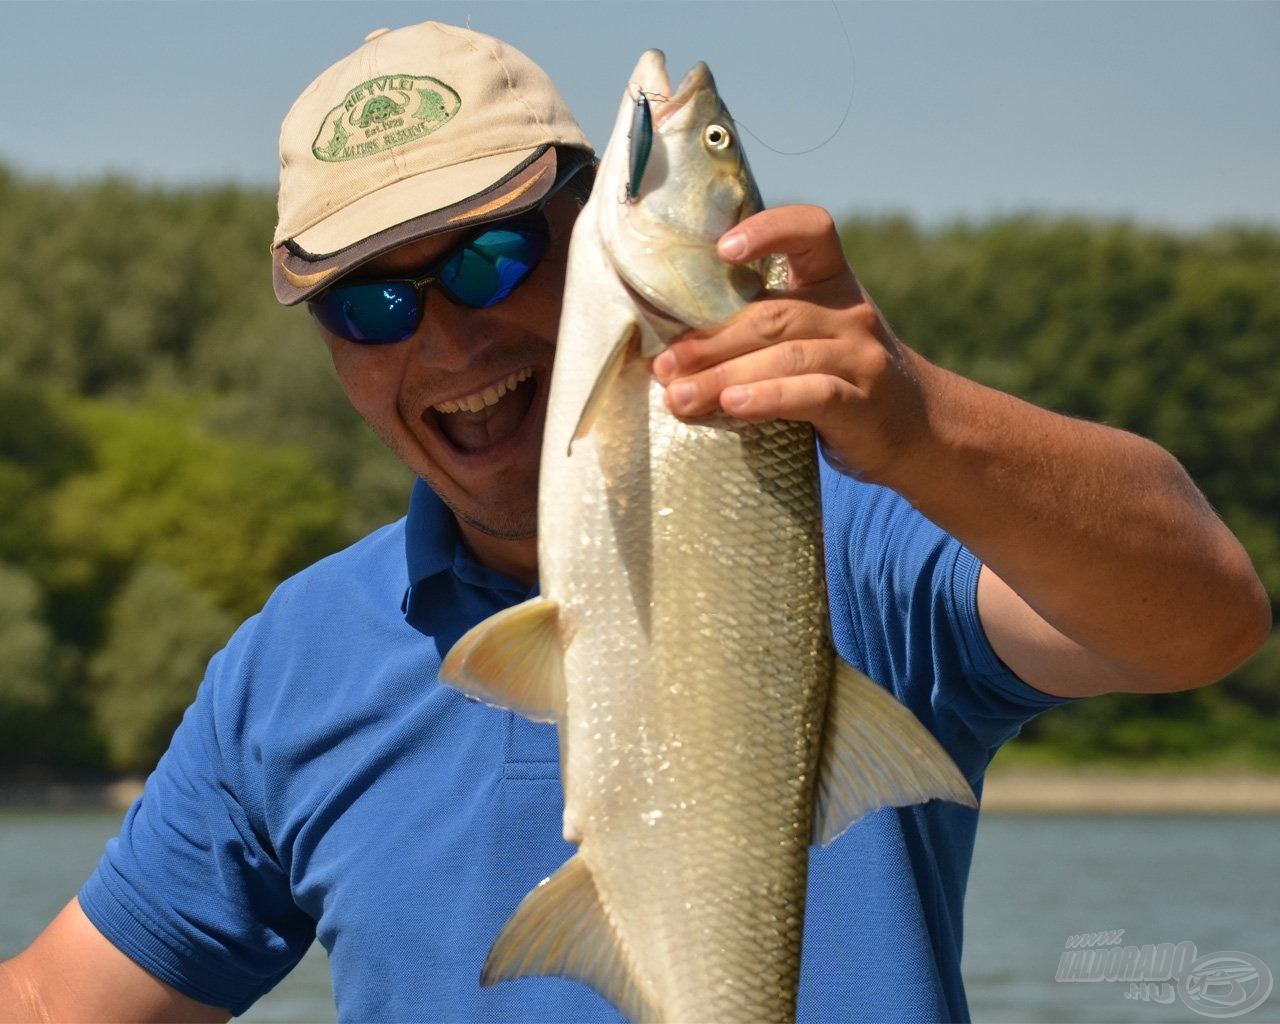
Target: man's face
<point>463,400</point>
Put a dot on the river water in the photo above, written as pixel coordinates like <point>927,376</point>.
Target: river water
<point>1037,883</point>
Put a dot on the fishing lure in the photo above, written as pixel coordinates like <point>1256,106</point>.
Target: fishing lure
<point>641,141</point>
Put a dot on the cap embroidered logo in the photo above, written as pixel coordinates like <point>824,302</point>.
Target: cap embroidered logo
<point>383,113</point>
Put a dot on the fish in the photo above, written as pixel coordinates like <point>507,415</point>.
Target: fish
<point>680,639</point>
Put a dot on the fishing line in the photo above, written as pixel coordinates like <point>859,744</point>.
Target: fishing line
<point>848,106</point>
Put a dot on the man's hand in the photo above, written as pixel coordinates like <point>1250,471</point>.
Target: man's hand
<point>819,353</point>
<point>1104,567</point>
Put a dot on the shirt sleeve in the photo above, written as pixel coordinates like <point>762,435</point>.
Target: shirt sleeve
<point>191,889</point>
<point>904,610</point>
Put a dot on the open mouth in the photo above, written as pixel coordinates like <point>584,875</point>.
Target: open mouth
<point>484,418</point>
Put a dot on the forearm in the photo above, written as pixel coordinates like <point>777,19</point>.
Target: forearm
<point>72,973</point>
<point>1100,532</point>
<point>19,1000</point>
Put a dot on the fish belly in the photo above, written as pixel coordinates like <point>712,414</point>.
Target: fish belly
<point>697,666</point>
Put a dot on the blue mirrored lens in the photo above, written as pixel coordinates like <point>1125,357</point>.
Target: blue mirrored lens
<point>485,271</point>
<point>377,313</point>
<point>479,274</point>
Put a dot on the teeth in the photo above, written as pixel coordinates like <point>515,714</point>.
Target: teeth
<point>489,396</point>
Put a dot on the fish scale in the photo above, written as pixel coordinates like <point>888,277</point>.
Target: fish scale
<point>708,731</point>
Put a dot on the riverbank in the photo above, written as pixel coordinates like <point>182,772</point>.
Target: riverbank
<point>1061,790</point>
<point>1015,790</point>
<point>41,793</point>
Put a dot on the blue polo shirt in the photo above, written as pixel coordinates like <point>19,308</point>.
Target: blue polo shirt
<point>325,785</point>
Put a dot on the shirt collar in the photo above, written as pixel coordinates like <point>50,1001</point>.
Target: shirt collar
<point>430,535</point>
<point>432,546</point>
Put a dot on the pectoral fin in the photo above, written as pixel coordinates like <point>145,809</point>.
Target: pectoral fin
<point>875,753</point>
<point>513,659</point>
<point>609,370</point>
<point>561,929</point>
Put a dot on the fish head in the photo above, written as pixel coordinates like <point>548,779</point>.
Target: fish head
<point>674,179</point>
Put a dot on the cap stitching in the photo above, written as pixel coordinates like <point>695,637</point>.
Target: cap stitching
<point>506,74</point>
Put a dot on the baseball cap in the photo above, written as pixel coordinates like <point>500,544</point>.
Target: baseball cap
<point>421,130</point>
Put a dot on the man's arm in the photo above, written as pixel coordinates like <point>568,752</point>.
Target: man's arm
<point>1104,567</point>
<point>72,973</point>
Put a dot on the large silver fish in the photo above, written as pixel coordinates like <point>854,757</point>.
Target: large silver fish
<point>708,730</point>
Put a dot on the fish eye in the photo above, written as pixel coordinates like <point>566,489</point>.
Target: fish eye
<point>715,136</point>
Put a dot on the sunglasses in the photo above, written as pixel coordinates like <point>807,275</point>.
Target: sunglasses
<point>478,272</point>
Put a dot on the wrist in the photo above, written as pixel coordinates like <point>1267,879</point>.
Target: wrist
<point>913,458</point>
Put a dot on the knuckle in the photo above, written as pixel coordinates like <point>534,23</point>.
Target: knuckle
<point>795,358</point>
<point>872,362</point>
<point>823,222</point>
<point>830,395</point>
<point>865,318</point>
<point>770,321</point>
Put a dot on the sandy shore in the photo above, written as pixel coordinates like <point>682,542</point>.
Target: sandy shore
<point>1056,790</point>
<point>1086,791</point>
<point>53,795</point>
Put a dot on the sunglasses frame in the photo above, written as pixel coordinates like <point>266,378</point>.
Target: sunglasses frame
<point>431,275</point>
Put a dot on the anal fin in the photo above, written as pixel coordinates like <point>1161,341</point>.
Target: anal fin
<point>561,929</point>
<point>875,753</point>
<point>512,659</point>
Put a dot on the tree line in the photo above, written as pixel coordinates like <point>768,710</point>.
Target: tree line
<point>173,442</point>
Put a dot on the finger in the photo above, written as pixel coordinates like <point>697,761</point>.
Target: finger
<point>806,235</point>
<point>701,393</point>
<point>814,398</point>
<point>761,325</point>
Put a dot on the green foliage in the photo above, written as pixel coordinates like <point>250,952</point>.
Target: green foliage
<point>35,671</point>
<point>38,447</point>
<point>1170,336</point>
<point>173,442</point>
<point>28,653</point>
<point>231,517</point>
<point>160,634</point>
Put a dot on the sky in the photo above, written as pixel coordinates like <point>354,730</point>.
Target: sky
<point>1163,113</point>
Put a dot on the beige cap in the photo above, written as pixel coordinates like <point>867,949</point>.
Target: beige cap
<point>425,129</point>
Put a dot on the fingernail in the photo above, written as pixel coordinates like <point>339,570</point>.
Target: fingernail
<point>682,394</point>
<point>664,366</point>
<point>733,245</point>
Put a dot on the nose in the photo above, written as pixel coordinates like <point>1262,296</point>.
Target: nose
<point>446,335</point>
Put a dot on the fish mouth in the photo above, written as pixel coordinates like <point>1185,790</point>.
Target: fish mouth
<point>652,80</point>
<point>696,80</point>
<point>484,418</point>
<point>665,320</point>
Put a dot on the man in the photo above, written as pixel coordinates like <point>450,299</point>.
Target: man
<point>324,784</point>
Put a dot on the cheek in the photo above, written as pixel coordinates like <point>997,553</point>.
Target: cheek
<point>369,375</point>
<point>540,310</point>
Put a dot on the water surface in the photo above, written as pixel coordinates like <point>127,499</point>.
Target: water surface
<point>1037,880</point>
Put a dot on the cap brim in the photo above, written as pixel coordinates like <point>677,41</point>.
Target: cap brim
<point>298,273</point>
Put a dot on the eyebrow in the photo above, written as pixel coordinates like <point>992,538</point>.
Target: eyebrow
<point>371,271</point>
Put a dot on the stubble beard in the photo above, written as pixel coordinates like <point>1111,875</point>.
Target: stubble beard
<point>509,524</point>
